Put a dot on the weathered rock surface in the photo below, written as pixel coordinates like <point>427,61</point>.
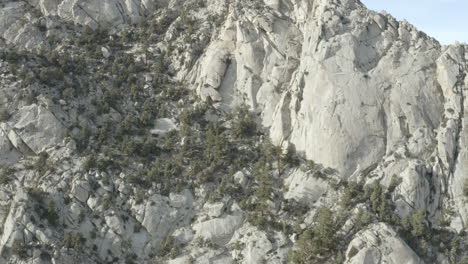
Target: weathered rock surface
<point>37,127</point>
<point>352,89</point>
<point>304,187</point>
<point>369,97</point>
<point>98,13</point>
<point>380,244</point>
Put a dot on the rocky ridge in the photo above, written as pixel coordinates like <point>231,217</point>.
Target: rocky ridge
<point>98,139</point>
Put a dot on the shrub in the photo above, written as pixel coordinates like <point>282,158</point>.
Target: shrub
<point>465,188</point>
<point>73,240</point>
<point>49,75</point>
<point>106,202</point>
<point>317,240</point>
<point>418,223</point>
<point>244,124</point>
<point>90,162</point>
<point>5,175</point>
<point>363,219</point>
<point>265,189</point>
<point>19,249</point>
<point>110,98</point>
<point>130,146</point>
<point>36,193</point>
<point>351,193</point>
<point>216,144</point>
<point>394,182</point>
<point>324,230</point>
<point>168,248</point>
<point>52,215</point>
<point>41,165</point>
<point>4,115</point>
<point>291,158</point>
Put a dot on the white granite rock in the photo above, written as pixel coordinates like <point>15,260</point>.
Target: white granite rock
<point>304,187</point>
<point>218,230</point>
<point>379,243</point>
<point>38,128</point>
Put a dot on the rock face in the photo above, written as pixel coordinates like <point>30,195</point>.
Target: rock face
<point>352,89</point>
<point>38,128</point>
<point>344,75</point>
<point>98,13</point>
<point>380,244</point>
<point>304,187</point>
<point>365,97</point>
<point>9,153</point>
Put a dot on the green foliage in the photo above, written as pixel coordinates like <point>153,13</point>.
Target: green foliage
<point>394,182</point>
<point>130,146</point>
<point>19,249</point>
<point>73,241</point>
<point>90,162</point>
<point>378,200</point>
<point>243,124</point>
<point>319,240</point>
<point>465,188</point>
<point>265,222</point>
<point>464,260</point>
<point>418,223</point>
<point>194,114</point>
<point>36,194</point>
<point>324,231</point>
<point>217,20</point>
<point>295,208</point>
<point>291,158</point>
<point>50,75</point>
<point>5,175</point>
<point>41,165</point>
<point>168,249</point>
<point>52,215</point>
<point>110,98</point>
<point>83,140</point>
<point>262,174</point>
<point>363,218</point>
<point>4,115</point>
<point>131,258</point>
<point>352,193</point>
<point>106,201</point>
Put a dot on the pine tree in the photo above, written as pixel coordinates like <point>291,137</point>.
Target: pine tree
<point>418,223</point>
<point>375,197</point>
<point>324,231</point>
<point>264,190</point>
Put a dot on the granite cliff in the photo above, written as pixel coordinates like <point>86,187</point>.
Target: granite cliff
<point>275,131</point>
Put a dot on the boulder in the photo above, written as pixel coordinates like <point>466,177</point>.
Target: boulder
<point>304,187</point>
<point>38,128</point>
<point>162,126</point>
<point>218,230</point>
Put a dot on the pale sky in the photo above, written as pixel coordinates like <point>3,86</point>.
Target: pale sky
<point>445,20</point>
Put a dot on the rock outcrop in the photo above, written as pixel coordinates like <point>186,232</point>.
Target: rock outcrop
<point>380,244</point>
<point>96,164</point>
<point>352,89</point>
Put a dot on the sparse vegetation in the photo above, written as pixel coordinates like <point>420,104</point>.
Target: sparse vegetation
<point>116,86</point>
<point>314,242</point>
<point>73,241</point>
<point>6,175</point>
<point>4,115</point>
<point>243,124</point>
<point>395,181</point>
<point>465,188</point>
<point>41,165</point>
<point>19,249</point>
